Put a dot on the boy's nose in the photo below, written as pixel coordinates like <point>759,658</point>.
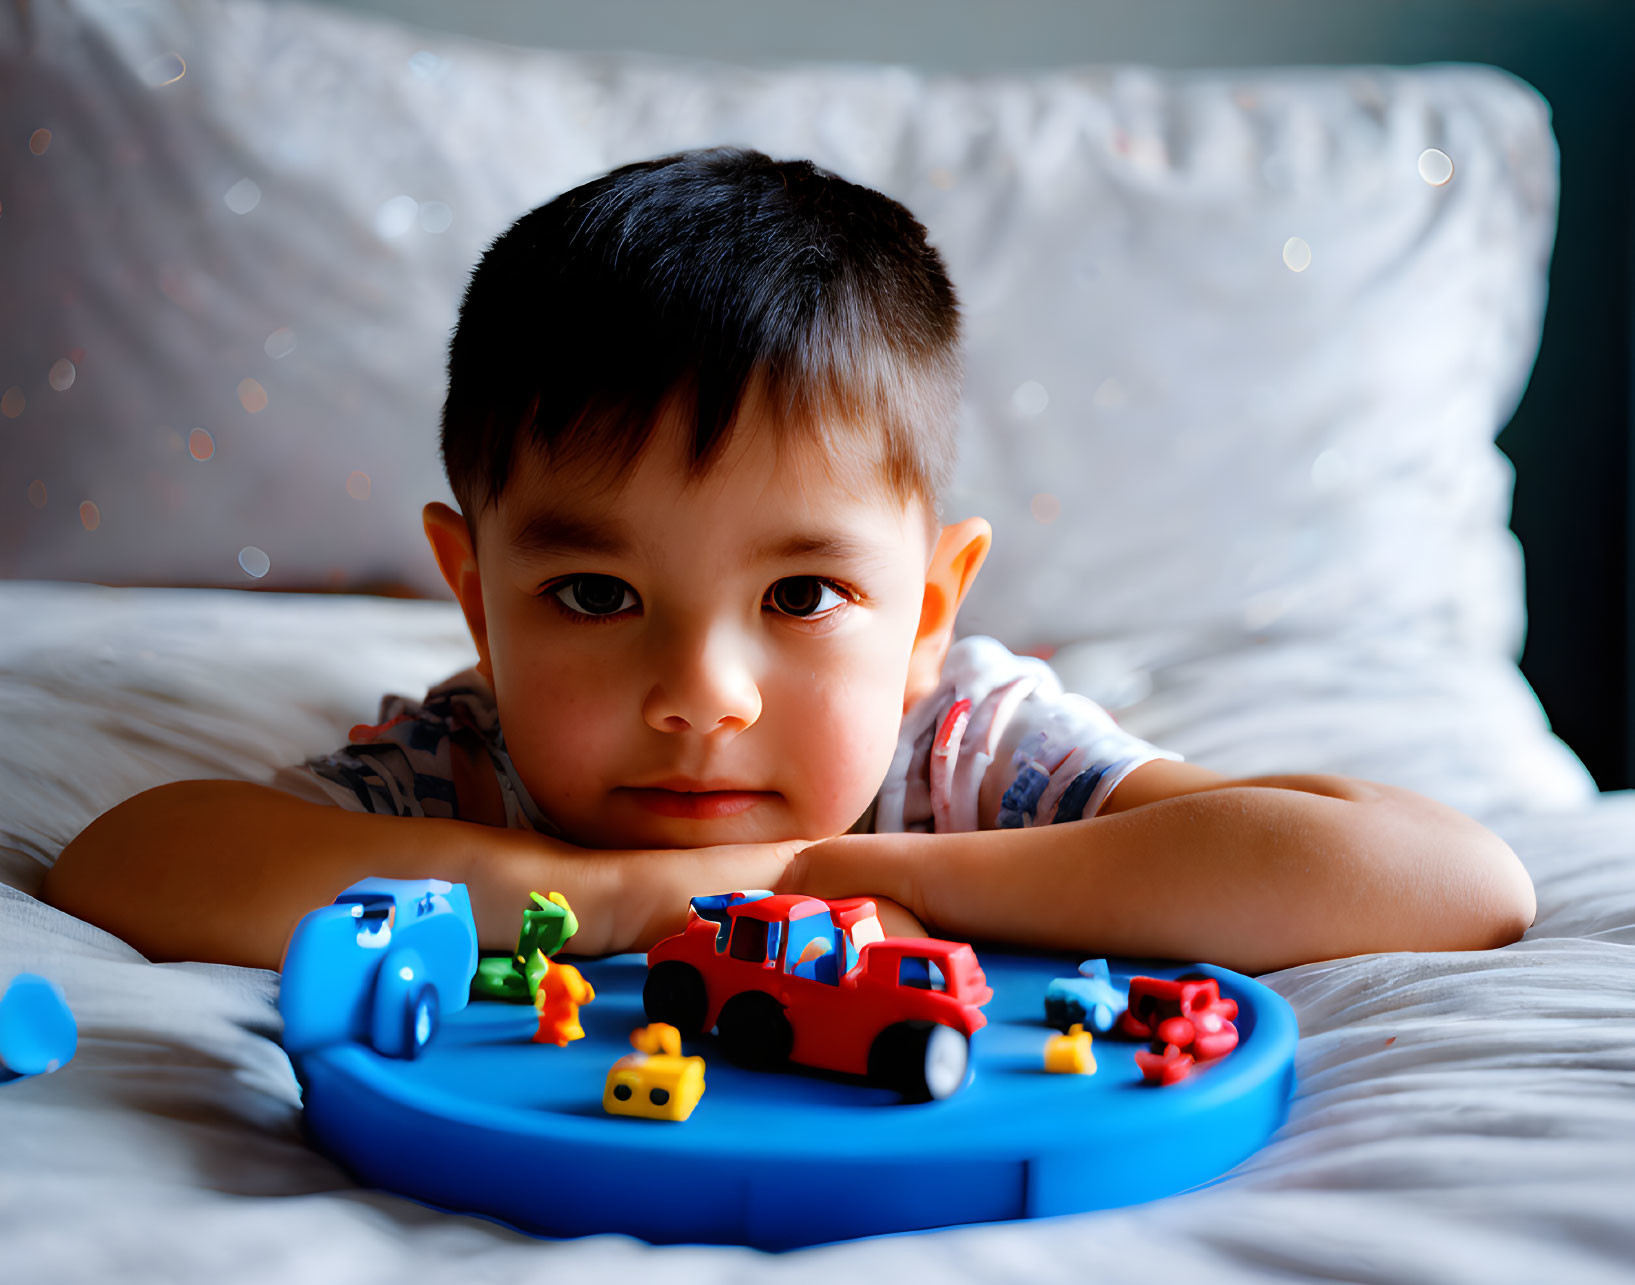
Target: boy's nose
<point>702,687</point>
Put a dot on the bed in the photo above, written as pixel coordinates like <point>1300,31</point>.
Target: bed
<point>1274,464</point>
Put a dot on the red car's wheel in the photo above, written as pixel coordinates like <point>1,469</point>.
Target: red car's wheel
<point>920,1059</point>
<point>754,1032</point>
<point>674,993</point>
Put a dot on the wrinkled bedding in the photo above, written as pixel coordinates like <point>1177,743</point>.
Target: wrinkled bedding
<point>1460,1117</point>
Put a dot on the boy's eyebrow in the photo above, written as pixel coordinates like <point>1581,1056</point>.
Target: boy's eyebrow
<point>554,532</point>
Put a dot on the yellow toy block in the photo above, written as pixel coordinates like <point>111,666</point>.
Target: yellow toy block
<point>1070,1053</point>
<point>657,1085</point>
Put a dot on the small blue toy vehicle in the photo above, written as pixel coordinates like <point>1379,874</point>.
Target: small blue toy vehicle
<point>1089,999</point>
<point>380,966</point>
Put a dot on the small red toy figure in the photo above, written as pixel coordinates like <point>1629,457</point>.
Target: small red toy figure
<point>1170,1066</point>
<point>561,991</point>
<point>1188,1021</point>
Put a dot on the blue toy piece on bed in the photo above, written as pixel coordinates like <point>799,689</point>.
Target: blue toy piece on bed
<point>782,1159</point>
<point>385,963</point>
<point>38,1033</point>
<point>1090,999</point>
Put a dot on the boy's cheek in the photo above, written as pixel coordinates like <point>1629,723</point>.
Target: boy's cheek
<point>824,745</point>
<point>843,756</point>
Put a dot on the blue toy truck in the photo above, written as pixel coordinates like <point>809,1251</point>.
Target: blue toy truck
<point>379,966</point>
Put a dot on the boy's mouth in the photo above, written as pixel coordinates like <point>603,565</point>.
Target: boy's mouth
<point>680,797</point>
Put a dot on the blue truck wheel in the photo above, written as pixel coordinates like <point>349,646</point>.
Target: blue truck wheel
<point>397,1004</point>
<point>422,1018</point>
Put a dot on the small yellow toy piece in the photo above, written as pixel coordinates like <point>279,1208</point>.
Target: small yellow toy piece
<point>655,1081</point>
<point>657,1037</point>
<point>560,993</point>
<point>1070,1053</point>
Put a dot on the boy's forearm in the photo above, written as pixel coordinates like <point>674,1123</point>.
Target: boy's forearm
<point>1253,878</point>
<point>223,870</point>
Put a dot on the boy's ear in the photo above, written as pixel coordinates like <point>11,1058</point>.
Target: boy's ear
<point>457,560</point>
<point>954,563</point>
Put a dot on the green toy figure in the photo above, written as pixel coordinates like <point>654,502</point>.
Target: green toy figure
<point>546,928</point>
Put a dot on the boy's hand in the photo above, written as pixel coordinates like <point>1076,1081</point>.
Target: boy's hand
<point>654,887</point>
<point>629,900</point>
<point>882,866</point>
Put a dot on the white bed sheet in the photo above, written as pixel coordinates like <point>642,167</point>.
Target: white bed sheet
<point>1460,1117</point>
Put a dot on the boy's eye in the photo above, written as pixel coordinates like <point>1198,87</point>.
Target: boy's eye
<point>592,595</point>
<point>805,597</point>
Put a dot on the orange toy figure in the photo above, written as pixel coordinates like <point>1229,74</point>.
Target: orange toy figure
<point>561,991</point>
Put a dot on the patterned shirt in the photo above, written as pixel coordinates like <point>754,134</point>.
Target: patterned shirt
<point>1061,752</point>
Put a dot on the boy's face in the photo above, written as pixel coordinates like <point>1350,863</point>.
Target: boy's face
<point>678,665</point>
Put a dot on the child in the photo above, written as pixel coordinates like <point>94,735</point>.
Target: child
<point>700,412</point>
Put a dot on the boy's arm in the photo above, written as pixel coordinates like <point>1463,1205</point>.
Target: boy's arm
<point>1254,874</point>
<point>223,870</point>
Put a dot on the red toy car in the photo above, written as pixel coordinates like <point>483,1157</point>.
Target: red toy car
<point>1187,1021</point>
<point>797,979</point>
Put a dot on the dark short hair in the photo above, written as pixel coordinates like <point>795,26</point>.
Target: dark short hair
<point>694,282</point>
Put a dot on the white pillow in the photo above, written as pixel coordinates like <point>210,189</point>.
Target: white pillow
<point>1184,444</point>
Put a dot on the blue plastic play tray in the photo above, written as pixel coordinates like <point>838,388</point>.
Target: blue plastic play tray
<point>485,1121</point>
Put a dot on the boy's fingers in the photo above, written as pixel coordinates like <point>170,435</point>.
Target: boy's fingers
<point>858,865</point>
<point>895,921</point>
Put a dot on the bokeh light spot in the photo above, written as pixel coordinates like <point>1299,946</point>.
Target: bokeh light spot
<point>1030,398</point>
<point>1297,254</point>
<point>1045,507</point>
<point>1263,608</point>
<point>435,216</point>
<point>36,493</point>
<point>395,217</point>
<point>243,196</point>
<point>357,484</point>
<point>281,343</point>
<point>1109,394</point>
<point>252,396</point>
<point>254,562</point>
<point>166,69</point>
<point>1435,166</point>
<point>61,376</point>
<point>38,141</point>
<point>1330,471</point>
<point>90,516</point>
<point>941,177</point>
<point>200,445</point>
<point>427,66</point>
<point>12,402</point>
<point>1148,152</point>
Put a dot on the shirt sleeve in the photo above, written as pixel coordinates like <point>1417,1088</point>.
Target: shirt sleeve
<point>390,777</point>
<point>1059,759</point>
<point>1058,755</point>
<point>300,780</point>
